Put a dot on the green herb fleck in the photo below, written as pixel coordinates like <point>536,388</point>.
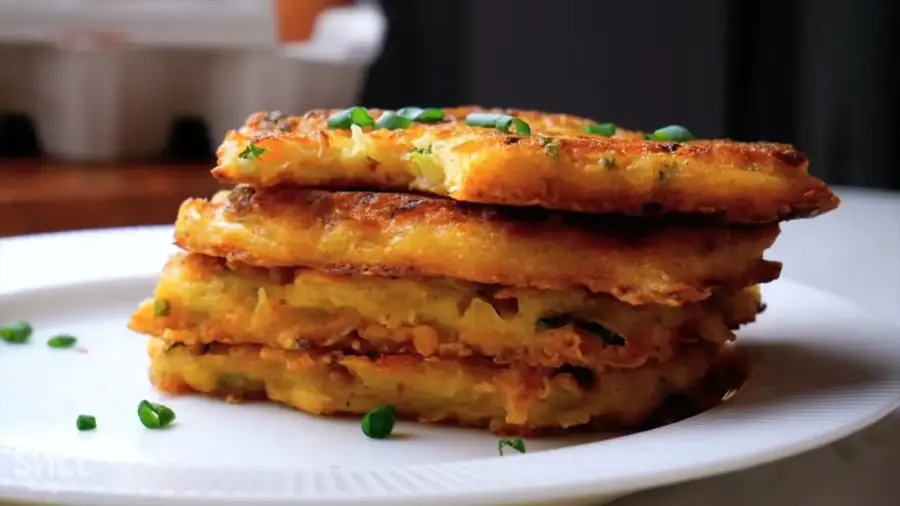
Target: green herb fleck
<point>85,422</point>
<point>62,341</point>
<point>155,416</point>
<point>161,307</point>
<point>16,332</point>
<point>556,322</point>
<point>239,382</point>
<point>664,172</point>
<point>422,151</point>
<point>674,133</point>
<point>420,115</point>
<point>358,116</point>
<point>604,129</point>
<point>252,152</point>
<point>551,147</point>
<point>502,122</point>
<point>515,444</point>
<point>379,423</point>
<point>393,121</point>
<point>608,163</point>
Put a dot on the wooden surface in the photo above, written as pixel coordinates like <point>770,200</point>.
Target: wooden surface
<point>38,197</point>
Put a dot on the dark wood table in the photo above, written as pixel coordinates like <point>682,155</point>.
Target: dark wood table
<point>44,196</point>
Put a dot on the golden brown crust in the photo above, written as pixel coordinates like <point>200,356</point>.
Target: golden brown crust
<point>510,399</point>
<point>210,301</point>
<point>414,236</point>
<point>559,166</point>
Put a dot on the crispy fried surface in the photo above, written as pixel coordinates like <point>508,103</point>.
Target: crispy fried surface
<point>208,301</point>
<point>510,399</point>
<point>559,166</point>
<point>414,236</point>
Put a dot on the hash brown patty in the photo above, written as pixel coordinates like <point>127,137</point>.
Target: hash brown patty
<point>507,399</point>
<point>558,166</point>
<point>207,300</point>
<point>402,235</point>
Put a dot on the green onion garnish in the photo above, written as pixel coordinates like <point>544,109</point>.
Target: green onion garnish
<point>155,416</point>
<point>675,133</point>
<point>379,423</point>
<point>521,127</point>
<point>161,307</point>
<point>16,332</point>
<point>62,341</point>
<point>358,116</point>
<point>604,129</point>
<point>515,444</point>
<point>251,152</point>
<point>393,121</point>
<point>86,422</point>
<point>427,115</point>
<point>600,331</point>
<point>551,147</point>
<point>502,122</point>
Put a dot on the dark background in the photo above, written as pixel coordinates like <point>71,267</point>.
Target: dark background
<point>821,74</point>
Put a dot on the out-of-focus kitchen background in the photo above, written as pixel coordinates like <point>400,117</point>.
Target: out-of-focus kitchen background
<point>110,110</point>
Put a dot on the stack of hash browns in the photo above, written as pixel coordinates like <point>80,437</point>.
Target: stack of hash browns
<point>527,279</point>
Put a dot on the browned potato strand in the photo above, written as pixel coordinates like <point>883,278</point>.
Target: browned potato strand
<point>559,166</point>
<point>209,301</point>
<point>415,236</point>
<point>510,399</point>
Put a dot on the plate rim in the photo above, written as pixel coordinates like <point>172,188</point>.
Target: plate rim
<point>577,486</point>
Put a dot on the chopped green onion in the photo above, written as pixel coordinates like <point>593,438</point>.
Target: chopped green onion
<point>62,341</point>
<point>240,382</point>
<point>155,416</point>
<point>85,422</point>
<point>551,147</point>
<point>379,423</point>
<point>393,121</point>
<point>675,133</point>
<point>502,122</point>
<point>358,116</point>
<point>605,129</point>
<point>481,119</point>
<point>16,332</point>
<point>251,152</point>
<point>427,115</point>
<point>606,335</point>
<point>515,444</point>
<point>521,127</point>
<point>161,307</point>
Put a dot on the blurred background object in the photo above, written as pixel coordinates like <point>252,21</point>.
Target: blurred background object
<point>111,110</point>
<point>118,84</point>
<point>821,74</point>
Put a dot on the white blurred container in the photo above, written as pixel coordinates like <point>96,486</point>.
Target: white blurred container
<point>105,79</point>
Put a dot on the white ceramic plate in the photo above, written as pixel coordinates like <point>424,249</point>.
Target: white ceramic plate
<point>823,370</point>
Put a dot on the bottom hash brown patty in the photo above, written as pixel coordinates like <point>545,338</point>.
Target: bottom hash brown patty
<point>507,399</point>
<point>638,261</point>
<point>208,300</point>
